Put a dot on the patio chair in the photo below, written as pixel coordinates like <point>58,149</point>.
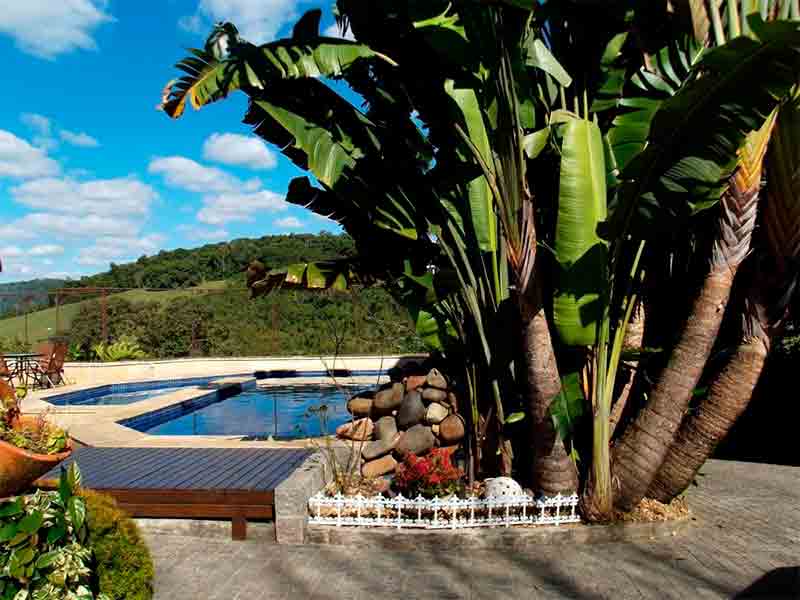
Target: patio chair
<point>5,372</point>
<point>49,373</point>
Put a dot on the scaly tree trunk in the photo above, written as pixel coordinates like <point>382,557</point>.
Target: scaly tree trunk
<point>641,450</point>
<point>554,472</point>
<point>775,282</point>
<point>634,337</point>
<point>727,399</point>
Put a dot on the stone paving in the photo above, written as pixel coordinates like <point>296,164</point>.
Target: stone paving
<point>745,543</point>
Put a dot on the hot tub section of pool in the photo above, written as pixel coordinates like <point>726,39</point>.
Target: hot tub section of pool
<point>280,411</point>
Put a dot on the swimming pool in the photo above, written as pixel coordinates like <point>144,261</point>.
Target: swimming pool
<point>281,411</point>
<point>126,393</point>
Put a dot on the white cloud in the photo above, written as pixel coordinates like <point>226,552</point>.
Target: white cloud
<point>46,250</point>
<point>47,28</point>
<point>225,208</point>
<point>190,175</point>
<point>10,251</point>
<point>39,123</point>
<point>120,196</point>
<point>195,233</point>
<point>333,31</point>
<point>20,159</point>
<point>81,139</point>
<point>241,150</point>
<point>258,21</point>
<point>111,248</point>
<point>289,223</point>
<point>60,226</point>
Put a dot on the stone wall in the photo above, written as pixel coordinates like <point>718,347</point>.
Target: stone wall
<point>413,415</point>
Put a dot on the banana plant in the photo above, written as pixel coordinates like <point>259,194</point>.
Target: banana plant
<point>467,170</point>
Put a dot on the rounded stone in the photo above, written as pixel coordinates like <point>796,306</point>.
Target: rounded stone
<point>434,395</point>
<point>451,429</point>
<point>387,400</point>
<point>378,448</point>
<point>385,428</point>
<point>436,413</point>
<point>359,431</point>
<point>436,380</point>
<point>414,381</point>
<point>497,487</point>
<point>411,411</point>
<point>359,407</point>
<point>419,439</point>
<point>379,466</point>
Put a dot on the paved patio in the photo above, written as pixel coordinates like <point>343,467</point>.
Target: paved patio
<point>745,543</point>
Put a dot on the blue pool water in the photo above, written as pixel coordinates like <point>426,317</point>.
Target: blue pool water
<point>281,411</point>
<point>125,393</point>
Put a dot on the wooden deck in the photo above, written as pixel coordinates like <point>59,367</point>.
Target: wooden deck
<point>196,483</point>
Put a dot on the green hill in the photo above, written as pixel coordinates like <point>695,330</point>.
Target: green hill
<point>41,324</point>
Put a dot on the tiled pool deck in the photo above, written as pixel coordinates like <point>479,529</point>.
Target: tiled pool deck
<point>743,544</point>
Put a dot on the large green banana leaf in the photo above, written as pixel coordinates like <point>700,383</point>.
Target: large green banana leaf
<point>210,77</point>
<point>480,196</point>
<point>581,254</point>
<point>694,136</point>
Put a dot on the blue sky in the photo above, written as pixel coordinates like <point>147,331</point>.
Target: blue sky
<point>91,173</point>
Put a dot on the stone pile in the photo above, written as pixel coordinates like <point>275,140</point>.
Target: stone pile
<point>415,415</point>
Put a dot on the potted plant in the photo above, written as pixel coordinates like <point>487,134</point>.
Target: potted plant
<point>30,446</point>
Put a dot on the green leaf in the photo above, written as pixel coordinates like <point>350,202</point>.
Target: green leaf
<point>534,143</point>
<point>77,511</point>
<point>31,523</point>
<point>74,478</point>
<point>695,135</point>
<point>47,559</point>
<point>568,407</point>
<point>514,417</point>
<point>8,531</point>
<point>539,56</point>
<point>209,78</point>
<point>64,487</point>
<point>481,202</point>
<point>582,255</point>
<point>11,507</point>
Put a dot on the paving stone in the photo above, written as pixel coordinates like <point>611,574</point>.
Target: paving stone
<point>740,538</point>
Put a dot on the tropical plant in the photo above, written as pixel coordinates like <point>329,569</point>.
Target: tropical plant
<point>43,545</point>
<point>122,564</point>
<point>522,189</point>
<point>125,348</point>
<point>38,435</point>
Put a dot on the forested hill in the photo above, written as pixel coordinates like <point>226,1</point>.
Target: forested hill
<point>182,268</point>
<point>23,296</point>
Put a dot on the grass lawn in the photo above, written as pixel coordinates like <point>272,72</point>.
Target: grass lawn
<point>42,323</point>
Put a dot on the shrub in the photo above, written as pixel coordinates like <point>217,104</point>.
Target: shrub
<point>123,563</point>
<point>125,348</point>
<point>43,549</point>
<point>429,476</point>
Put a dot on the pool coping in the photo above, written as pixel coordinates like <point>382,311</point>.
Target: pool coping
<point>103,425</point>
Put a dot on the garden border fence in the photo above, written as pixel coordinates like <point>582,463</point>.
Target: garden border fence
<point>441,513</point>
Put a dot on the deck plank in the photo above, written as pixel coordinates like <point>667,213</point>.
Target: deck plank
<point>228,483</point>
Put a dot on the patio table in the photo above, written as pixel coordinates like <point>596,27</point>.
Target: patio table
<point>22,365</point>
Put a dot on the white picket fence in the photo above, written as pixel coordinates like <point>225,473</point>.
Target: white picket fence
<point>441,513</point>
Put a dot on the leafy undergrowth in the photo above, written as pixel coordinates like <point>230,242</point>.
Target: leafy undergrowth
<point>123,564</point>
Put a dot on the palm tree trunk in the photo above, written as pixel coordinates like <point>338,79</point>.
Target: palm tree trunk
<point>776,277</point>
<point>554,472</point>
<point>728,397</point>
<point>642,448</point>
<point>634,337</point>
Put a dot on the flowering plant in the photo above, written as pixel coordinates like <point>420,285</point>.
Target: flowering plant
<point>429,476</point>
